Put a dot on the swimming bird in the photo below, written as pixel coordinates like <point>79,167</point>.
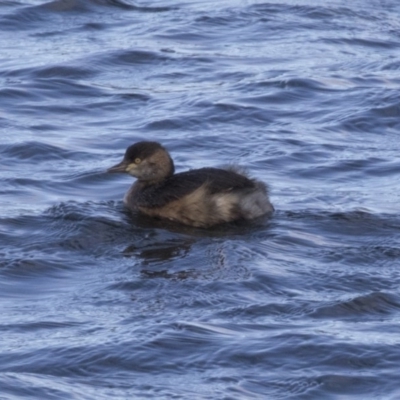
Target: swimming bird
<point>200,197</point>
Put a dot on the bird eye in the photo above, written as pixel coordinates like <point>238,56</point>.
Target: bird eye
<point>137,160</point>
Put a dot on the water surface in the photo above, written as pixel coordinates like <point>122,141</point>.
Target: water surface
<point>97,303</point>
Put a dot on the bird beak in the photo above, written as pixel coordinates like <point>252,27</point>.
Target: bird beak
<point>121,167</point>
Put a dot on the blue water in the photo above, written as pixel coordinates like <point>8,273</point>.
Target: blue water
<point>97,303</point>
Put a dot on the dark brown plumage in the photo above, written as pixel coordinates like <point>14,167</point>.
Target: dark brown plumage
<point>201,197</point>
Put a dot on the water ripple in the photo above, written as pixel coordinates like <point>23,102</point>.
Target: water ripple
<point>98,302</point>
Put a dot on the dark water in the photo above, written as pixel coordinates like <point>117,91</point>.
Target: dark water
<point>100,304</point>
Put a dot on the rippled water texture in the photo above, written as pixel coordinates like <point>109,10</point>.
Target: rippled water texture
<point>97,303</point>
